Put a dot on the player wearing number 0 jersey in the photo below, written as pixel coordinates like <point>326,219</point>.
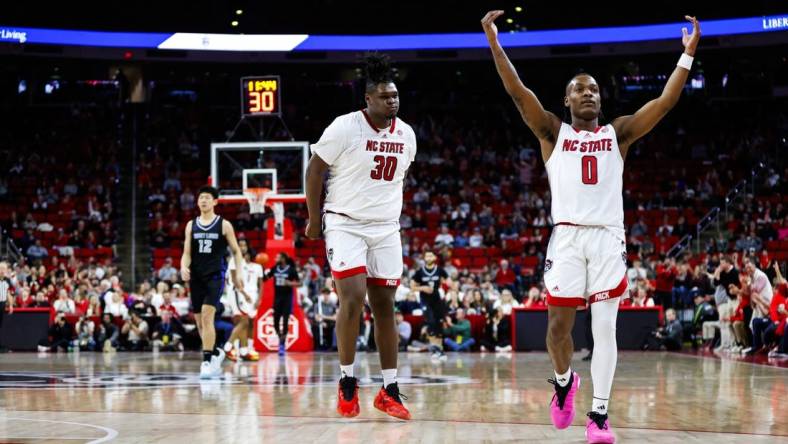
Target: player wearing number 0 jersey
<point>586,256</point>
<point>366,154</point>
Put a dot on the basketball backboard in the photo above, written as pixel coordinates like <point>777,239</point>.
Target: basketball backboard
<point>278,166</point>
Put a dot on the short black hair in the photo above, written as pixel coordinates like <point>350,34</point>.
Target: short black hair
<point>577,74</point>
<point>208,189</point>
<point>377,70</point>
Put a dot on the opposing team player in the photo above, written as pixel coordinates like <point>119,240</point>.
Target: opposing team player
<point>203,264</point>
<point>285,280</point>
<point>427,281</point>
<point>367,154</point>
<point>243,305</point>
<point>586,256</point>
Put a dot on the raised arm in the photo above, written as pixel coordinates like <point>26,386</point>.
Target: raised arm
<point>633,127</point>
<point>544,124</point>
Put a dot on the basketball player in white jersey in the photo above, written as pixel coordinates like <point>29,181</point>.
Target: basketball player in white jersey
<point>367,154</point>
<point>243,306</point>
<point>586,256</point>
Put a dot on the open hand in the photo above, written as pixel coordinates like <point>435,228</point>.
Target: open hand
<point>690,41</point>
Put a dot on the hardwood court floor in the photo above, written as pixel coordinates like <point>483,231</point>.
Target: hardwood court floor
<point>145,398</point>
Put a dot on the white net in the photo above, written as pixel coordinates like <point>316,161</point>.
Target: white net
<point>256,197</point>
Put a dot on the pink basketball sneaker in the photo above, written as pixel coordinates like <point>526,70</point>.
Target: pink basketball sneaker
<point>562,406</point>
<point>598,430</point>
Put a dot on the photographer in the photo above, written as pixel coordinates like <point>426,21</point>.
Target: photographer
<point>135,333</point>
<point>497,336</point>
<point>668,336</point>
<point>106,334</point>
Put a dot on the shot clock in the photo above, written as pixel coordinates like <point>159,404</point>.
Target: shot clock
<point>260,96</point>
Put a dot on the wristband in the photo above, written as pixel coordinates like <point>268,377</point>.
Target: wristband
<point>685,61</point>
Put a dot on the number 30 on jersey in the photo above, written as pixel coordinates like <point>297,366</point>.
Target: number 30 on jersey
<point>385,167</point>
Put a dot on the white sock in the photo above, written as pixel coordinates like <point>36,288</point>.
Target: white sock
<point>563,379</point>
<point>250,344</point>
<point>228,346</point>
<point>389,376</point>
<point>237,344</point>
<point>244,351</point>
<point>603,362</point>
<point>599,405</point>
<point>346,370</point>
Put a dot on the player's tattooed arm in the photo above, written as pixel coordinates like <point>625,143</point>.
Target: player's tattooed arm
<point>633,127</point>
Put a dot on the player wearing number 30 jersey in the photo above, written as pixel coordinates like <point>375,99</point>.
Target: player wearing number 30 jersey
<point>366,154</point>
<point>367,166</point>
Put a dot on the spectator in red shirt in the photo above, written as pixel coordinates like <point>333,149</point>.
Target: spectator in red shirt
<point>25,299</point>
<point>534,299</point>
<point>764,334</point>
<point>81,302</point>
<point>782,311</point>
<point>167,305</point>
<point>666,277</point>
<point>505,277</point>
<point>740,328</point>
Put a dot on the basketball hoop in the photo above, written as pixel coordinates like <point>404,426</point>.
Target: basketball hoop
<point>257,198</point>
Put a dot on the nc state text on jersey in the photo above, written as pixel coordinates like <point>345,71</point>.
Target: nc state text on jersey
<point>590,146</point>
<point>385,147</point>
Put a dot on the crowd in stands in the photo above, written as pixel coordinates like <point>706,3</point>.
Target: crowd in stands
<point>477,195</point>
<point>57,202</point>
<point>485,211</point>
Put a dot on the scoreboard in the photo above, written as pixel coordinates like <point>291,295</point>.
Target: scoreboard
<point>260,96</point>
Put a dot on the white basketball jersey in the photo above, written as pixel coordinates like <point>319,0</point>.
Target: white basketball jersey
<point>251,275</point>
<point>586,173</point>
<point>367,166</point>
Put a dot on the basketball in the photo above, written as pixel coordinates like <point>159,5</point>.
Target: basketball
<point>261,258</point>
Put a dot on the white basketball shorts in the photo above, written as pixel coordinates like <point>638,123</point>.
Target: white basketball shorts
<point>238,304</point>
<point>363,247</point>
<point>584,263</point>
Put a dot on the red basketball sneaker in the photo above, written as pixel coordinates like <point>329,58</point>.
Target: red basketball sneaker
<point>388,401</point>
<point>347,397</point>
<point>232,355</point>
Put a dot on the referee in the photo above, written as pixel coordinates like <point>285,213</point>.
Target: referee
<point>6,296</point>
